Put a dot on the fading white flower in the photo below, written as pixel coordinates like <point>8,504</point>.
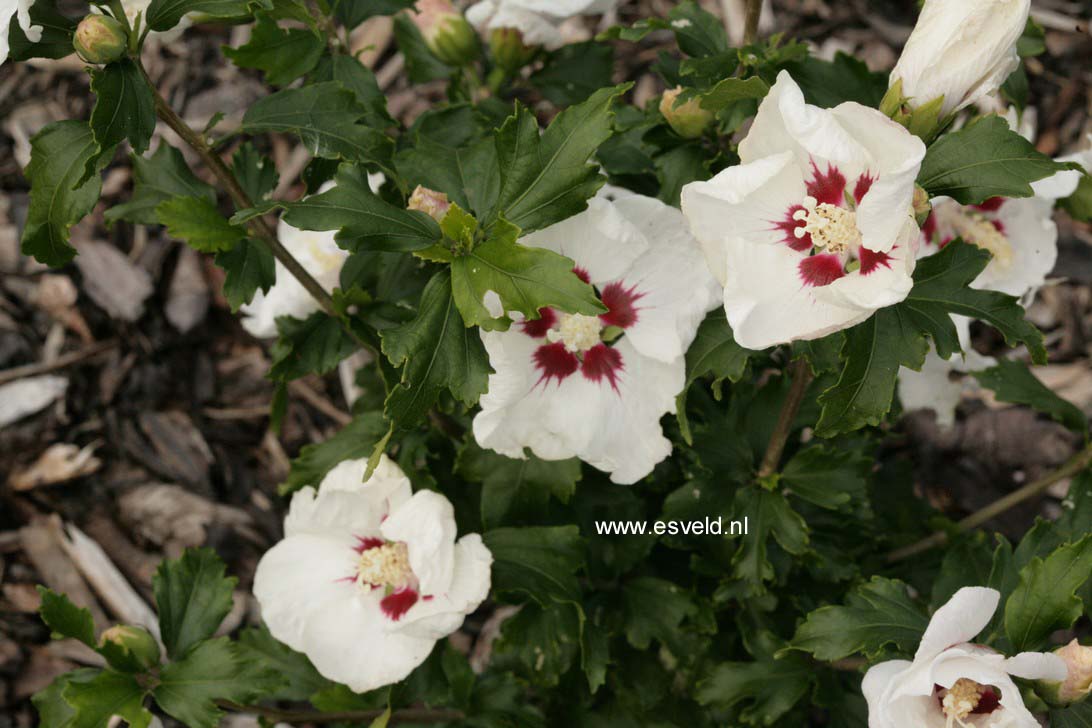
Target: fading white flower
<point>20,10</point>
<point>815,229</point>
<point>538,21</point>
<point>319,254</point>
<point>369,575</point>
<point>962,50</point>
<point>595,387</point>
<point>951,681</point>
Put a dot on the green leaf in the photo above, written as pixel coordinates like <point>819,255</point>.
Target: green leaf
<point>526,279</point>
<point>731,90</point>
<point>544,640</point>
<point>257,175</point>
<point>199,223</point>
<point>655,609</point>
<point>829,83</point>
<point>769,687</point>
<point>827,477</point>
<point>314,345</point>
<point>540,563</point>
<point>94,702</point>
<point>897,336</point>
<point>353,442</point>
<point>53,710</point>
<point>124,109</point>
<point>516,492</point>
<point>421,65</point>
<point>1075,716</point>
<point>1079,204</point>
<point>714,351</point>
<point>364,221</point>
<point>878,614</point>
<point>325,116</point>
<point>1013,382</point>
<point>698,32</point>
<point>436,352</point>
<point>283,54</point>
<point>65,618</point>
<point>358,78</point>
<point>248,266</point>
<point>468,173</point>
<point>57,33</point>
<point>212,670</point>
<point>574,72</point>
<point>193,596</point>
<point>162,176</point>
<point>300,678</point>
<point>969,561</point>
<point>769,515</point>
<point>59,153</point>
<point>165,14</point>
<point>984,160</point>
<point>547,178</point>
<point>1045,599</point>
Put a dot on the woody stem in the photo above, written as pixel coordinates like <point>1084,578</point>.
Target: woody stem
<point>801,376</point>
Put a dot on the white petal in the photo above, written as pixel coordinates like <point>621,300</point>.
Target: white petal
<point>348,643</point>
<point>298,579</point>
<point>745,201</point>
<point>426,524</point>
<point>1037,666</point>
<point>1030,230</point>
<point>960,620</point>
<point>675,286</point>
<point>932,388</point>
<point>443,614</point>
<point>875,686</point>
<point>345,505</point>
<point>599,240</point>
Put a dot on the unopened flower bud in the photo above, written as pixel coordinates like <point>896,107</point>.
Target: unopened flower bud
<point>509,50</point>
<point>922,207</point>
<point>130,648</point>
<point>1078,682</point>
<point>432,203</point>
<point>100,39</point>
<point>446,32</point>
<point>688,119</point>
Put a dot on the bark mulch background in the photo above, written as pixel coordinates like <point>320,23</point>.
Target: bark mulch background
<point>145,428</point>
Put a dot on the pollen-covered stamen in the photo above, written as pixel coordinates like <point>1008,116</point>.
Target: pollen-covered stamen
<point>577,332</point>
<point>980,231</point>
<point>960,700</point>
<point>831,227</point>
<point>385,566</point>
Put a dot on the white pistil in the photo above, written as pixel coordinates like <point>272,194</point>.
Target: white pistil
<point>831,227</point>
<point>960,700</point>
<point>979,231</point>
<point>386,565</point>
<point>577,331</point>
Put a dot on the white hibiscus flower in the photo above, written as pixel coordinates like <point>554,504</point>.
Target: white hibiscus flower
<point>20,10</point>
<point>319,254</point>
<point>952,682</point>
<point>596,387</point>
<point>538,21</point>
<point>369,575</point>
<point>815,229</point>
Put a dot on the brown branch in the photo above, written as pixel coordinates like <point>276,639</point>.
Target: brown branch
<point>801,378</point>
<point>1072,467</point>
<point>405,715</point>
<point>65,360</point>
<point>750,30</point>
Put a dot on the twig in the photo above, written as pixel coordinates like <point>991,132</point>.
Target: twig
<point>65,360</point>
<point>801,378</point>
<point>242,201</point>
<point>405,715</point>
<point>750,29</point>
<point>1072,467</point>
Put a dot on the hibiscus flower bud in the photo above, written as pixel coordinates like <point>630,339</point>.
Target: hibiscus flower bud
<point>922,206</point>
<point>432,203</point>
<point>688,119</point>
<point>100,39</point>
<point>130,647</point>
<point>509,50</point>
<point>446,32</point>
<point>1078,682</point>
<point>960,52</point>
